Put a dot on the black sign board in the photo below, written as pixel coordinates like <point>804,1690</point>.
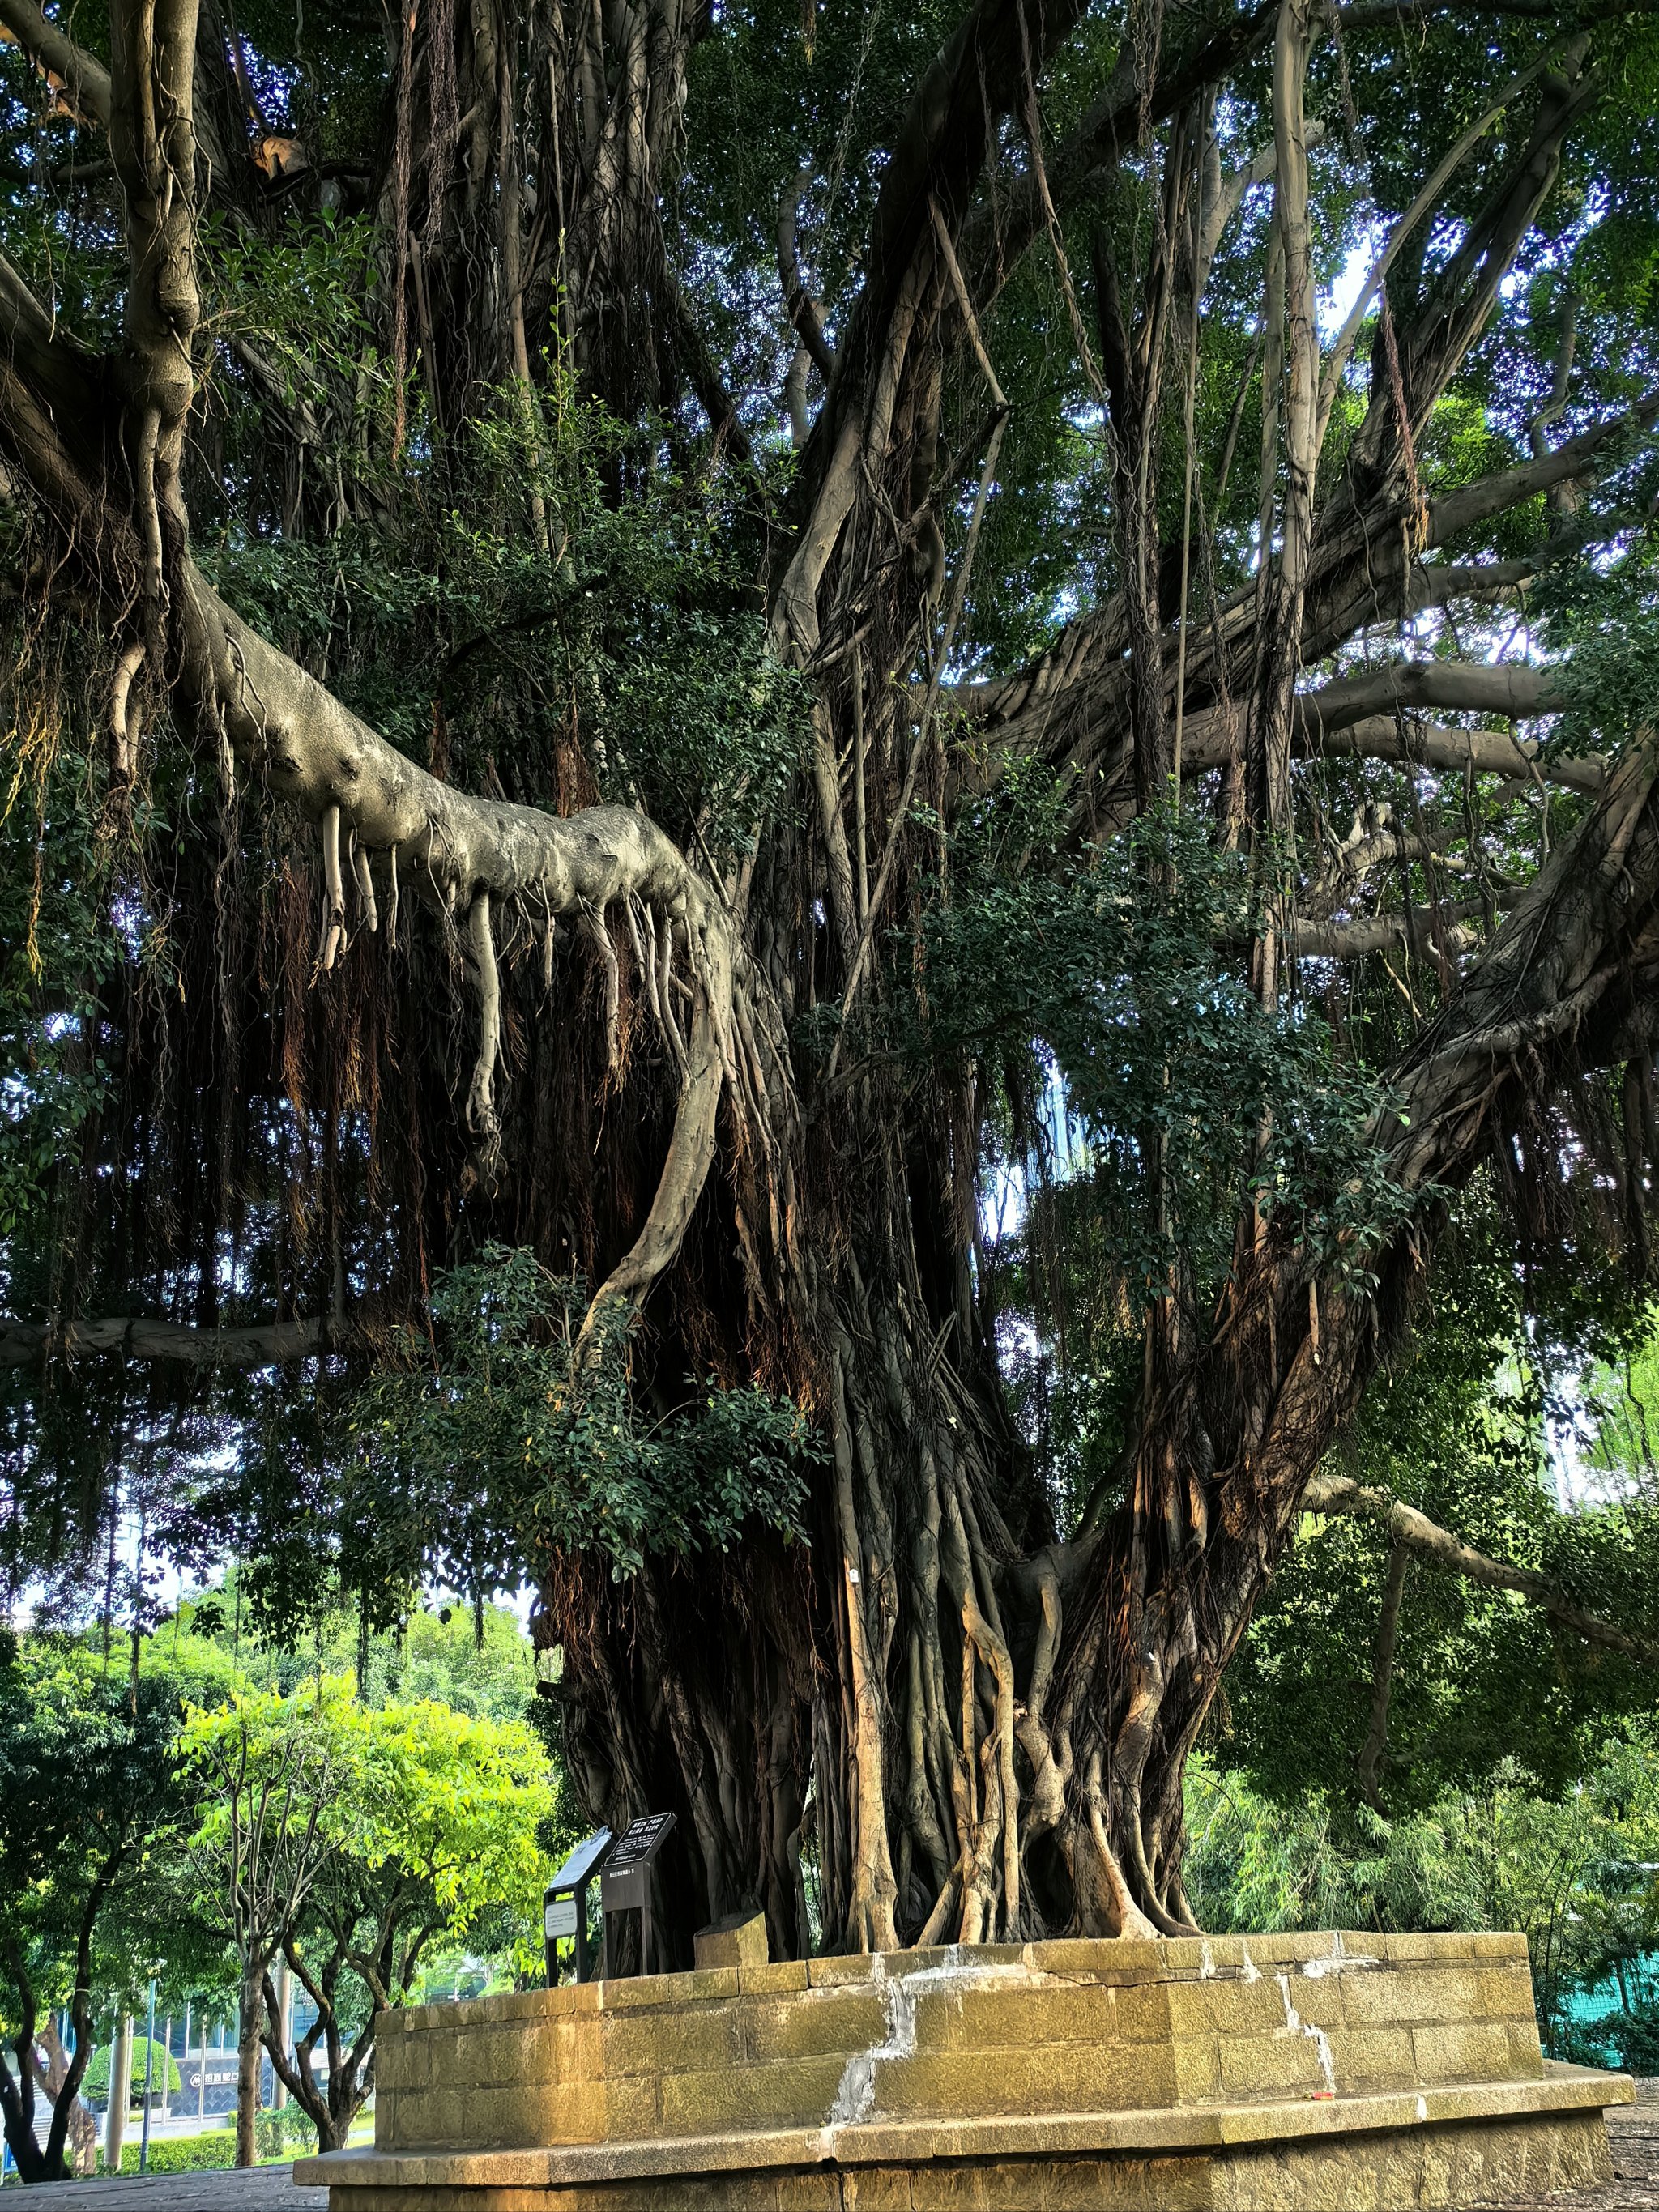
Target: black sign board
<point>626,1881</point>
<point>642,1840</point>
<point>564,1906</point>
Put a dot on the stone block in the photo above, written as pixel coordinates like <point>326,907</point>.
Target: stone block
<point>1107,1958</point>
<point>992,2015</point>
<point>782,1974</point>
<point>566,2112</point>
<point>1197,2070</point>
<point>1526,2053</point>
<point>1412,1997</point>
<point>1373,2058</point>
<point>1140,2011</point>
<point>626,1992</point>
<point>1270,2065</point>
<point>1287,1949</point>
<point>830,2022</point>
<point>670,2041</point>
<point>1059,2077</point>
<point>1463,2051</point>
<point>632,2110</point>
<point>798,2093</point>
<point>1229,2007</point>
<point>1505,1993</point>
<point>835,1973</point>
<point>1501,1943</point>
<point>740,1940</point>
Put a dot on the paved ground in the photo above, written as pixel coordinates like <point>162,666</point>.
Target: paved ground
<point>259,2188</point>
<point>1634,2137</point>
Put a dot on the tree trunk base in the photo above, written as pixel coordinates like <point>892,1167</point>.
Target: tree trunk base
<point>1167,2072</point>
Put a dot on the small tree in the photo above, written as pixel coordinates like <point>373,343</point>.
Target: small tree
<point>268,1769</point>
<point>439,1813</point>
<point>88,1788</point>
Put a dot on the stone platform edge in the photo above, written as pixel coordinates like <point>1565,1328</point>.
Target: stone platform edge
<point>1158,2130</point>
<point>1102,1959</point>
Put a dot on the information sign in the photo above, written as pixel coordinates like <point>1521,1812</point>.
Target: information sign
<point>564,1906</point>
<point>626,1884</point>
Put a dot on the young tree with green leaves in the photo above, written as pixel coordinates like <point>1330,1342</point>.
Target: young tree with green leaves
<point>438,1816</point>
<point>89,1802</point>
<point>692,643</point>
<point>270,1776</point>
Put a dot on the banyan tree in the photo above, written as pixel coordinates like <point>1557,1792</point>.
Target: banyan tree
<point>891,708</point>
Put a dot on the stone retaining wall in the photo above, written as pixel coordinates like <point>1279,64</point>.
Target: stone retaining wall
<point>1038,2028</point>
<point>1285,2074</point>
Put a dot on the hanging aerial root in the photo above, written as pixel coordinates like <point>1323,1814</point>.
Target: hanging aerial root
<point>481,1114</point>
<point>367,900</point>
<point>332,941</point>
<point>123,746</point>
<point>593,926</point>
<point>478,858</point>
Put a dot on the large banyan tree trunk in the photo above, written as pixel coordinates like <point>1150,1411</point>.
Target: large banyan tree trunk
<point>994,1724</point>
<point>946,1718</point>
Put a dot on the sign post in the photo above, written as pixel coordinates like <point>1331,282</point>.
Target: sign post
<point>564,1906</point>
<point>625,1885</point>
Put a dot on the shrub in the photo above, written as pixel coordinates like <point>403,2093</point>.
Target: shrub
<point>183,2154</point>
<point>96,2081</point>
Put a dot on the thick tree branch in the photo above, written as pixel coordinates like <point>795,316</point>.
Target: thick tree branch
<point>266,1344</point>
<point>1457,687</point>
<point>1427,1540</point>
<point>82,74</point>
<point>1427,745</point>
<point>1470,505</point>
<point>1382,932</point>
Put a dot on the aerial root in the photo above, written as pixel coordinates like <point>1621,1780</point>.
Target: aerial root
<point>594,923</point>
<point>481,1096</point>
<point>366,901</point>
<point>123,748</point>
<point>333,941</point>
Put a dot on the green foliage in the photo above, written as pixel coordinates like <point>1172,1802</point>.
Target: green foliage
<point>1604,621</point>
<point>1624,1402</point>
<point>1256,1864</point>
<point>639,617</point>
<point>1103,992</point>
<point>1572,1871</point>
<point>204,2153</point>
<point>1117,966</point>
<point>96,2081</point>
<point>279,2135</point>
<point>56,947</point>
<point>513,1451</point>
<point>90,1808</point>
<point>392,1826</point>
